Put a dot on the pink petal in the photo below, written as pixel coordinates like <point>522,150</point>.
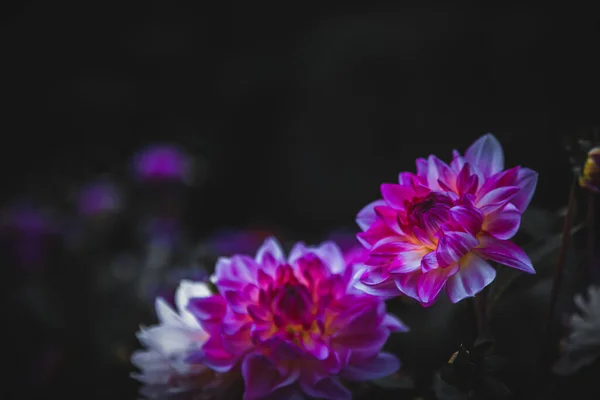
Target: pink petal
<point>239,342</point>
<point>486,154</point>
<point>331,256</point>
<point>429,262</point>
<point>422,168</point>
<point>527,181</point>
<point>384,364</point>
<point>237,268</point>
<point>374,234</point>
<point>368,340</point>
<point>408,284</point>
<point>503,178</point>
<point>237,301</point>
<point>444,172</point>
<point>207,307</point>
<point>390,217</point>
<point>466,180</point>
<point>394,324</point>
<point>395,195</point>
<point>261,377</point>
<point>503,224</point>
<point>328,388</point>
<point>452,246</point>
<point>258,313</point>
<point>433,173</point>
<point>360,318</point>
<point>457,162</point>
<point>366,217</point>
<point>316,347</point>
<point>385,289</point>
<point>468,218</point>
<point>473,275</point>
<point>496,198</point>
<point>406,179</point>
<point>214,356</point>
<point>374,276</point>
<point>505,253</point>
<point>422,236</point>
<point>408,258</point>
<point>270,254</point>
<point>431,283</point>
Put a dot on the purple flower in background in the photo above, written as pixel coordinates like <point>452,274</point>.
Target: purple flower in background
<point>28,227</point>
<point>98,198</point>
<point>163,163</point>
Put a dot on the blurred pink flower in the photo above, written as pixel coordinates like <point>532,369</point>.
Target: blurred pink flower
<point>294,326</point>
<point>438,228</point>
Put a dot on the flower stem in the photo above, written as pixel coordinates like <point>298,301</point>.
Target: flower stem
<point>546,350</point>
<point>591,237</point>
<point>479,305</point>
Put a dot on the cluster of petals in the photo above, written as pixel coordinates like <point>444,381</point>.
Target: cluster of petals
<point>163,368</point>
<point>440,227</point>
<point>294,326</point>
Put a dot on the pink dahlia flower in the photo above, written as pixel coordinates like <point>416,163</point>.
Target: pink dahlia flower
<point>440,227</point>
<point>164,371</point>
<point>294,326</point>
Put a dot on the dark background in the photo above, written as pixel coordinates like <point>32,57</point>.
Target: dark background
<point>298,112</point>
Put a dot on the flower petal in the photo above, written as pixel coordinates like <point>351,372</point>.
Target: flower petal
<point>445,174</point>
<point>468,218</point>
<point>390,217</point>
<point>395,195</point>
<point>505,253</point>
<point>207,307</point>
<point>454,245</point>
<point>384,364</point>
<point>270,254</point>
<point>429,262</point>
<point>503,224</point>
<point>374,234</point>
<point>408,258</point>
<point>431,284</point>
<point>392,323</point>
<point>473,275</point>
<point>328,389</point>
<point>527,181</point>
<point>486,154</point>
<point>332,256</point>
<point>261,377</point>
<point>408,284</point>
<point>496,198</point>
<point>316,347</point>
<point>366,217</point>
<point>385,289</point>
<point>374,276</point>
